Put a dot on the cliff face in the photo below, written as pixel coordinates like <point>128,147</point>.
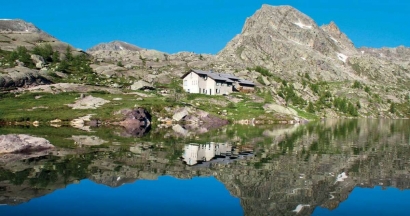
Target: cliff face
<point>288,42</point>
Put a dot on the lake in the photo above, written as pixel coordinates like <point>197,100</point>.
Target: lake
<point>343,167</point>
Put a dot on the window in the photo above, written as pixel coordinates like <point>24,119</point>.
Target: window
<point>218,84</point>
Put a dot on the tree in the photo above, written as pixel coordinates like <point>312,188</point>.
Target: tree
<point>56,56</point>
<point>21,54</point>
<point>45,51</point>
<point>392,108</point>
<point>68,54</point>
<point>310,108</point>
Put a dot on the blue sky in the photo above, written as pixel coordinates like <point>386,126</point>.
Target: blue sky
<point>201,26</point>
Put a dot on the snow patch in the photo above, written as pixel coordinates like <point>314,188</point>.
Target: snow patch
<point>304,59</point>
<point>362,52</point>
<point>342,57</point>
<point>341,177</point>
<point>299,208</point>
<point>301,25</point>
<point>334,39</point>
<point>121,48</point>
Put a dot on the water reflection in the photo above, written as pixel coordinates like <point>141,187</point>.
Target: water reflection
<point>273,170</point>
<point>218,152</point>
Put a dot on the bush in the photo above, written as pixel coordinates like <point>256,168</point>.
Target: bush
<point>45,51</point>
<point>357,84</point>
<point>310,108</point>
<point>263,71</point>
<point>367,89</point>
<point>392,108</point>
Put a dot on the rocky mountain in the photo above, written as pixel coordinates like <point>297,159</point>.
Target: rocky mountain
<point>14,33</point>
<point>399,54</point>
<point>114,46</point>
<point>288,42</point>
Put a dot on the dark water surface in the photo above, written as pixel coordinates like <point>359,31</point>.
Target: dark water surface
<point>346,167</point>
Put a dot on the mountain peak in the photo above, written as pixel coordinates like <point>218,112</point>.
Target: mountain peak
<point>114,46</point>
<point>18,26</point>
<point>284,39</point>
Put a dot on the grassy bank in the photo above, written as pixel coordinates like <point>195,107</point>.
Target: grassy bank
<point>44,107</point>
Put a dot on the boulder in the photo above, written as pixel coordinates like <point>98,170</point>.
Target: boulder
<point>137,122</point>
<point>279,109</point>
<point>38,61</point>
<point>141,85</point>
<point>13,143</point>
<point>180,114</point>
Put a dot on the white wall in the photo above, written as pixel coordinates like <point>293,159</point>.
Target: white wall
<point>191,83</point>
<point>210,86</point>
<point>206,151</point>
<point>191,154</point>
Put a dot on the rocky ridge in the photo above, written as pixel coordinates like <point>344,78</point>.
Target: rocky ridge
<point>114,46</point>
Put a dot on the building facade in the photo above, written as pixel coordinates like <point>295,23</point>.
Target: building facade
<point>210,83</point>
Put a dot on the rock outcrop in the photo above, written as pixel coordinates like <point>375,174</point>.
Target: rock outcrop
<point>14,143</point>
<point>137,122</point>
<point>23,77</point>
<point>114,46</point>
<point>14,33</point>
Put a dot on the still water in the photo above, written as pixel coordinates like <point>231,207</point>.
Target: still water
<point>349,167</point>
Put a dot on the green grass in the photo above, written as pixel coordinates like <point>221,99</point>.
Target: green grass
<point>304,114</point>
<point>54,106</point>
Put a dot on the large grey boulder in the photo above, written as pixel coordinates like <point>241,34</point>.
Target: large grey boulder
<point>38,61</point>
<point>22,77</point>
<point>140,85</point>
<point>13,143</point>
<point>180,114</point>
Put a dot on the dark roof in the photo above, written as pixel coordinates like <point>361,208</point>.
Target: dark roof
<point>246,82</point>
<point>229,78</point>
<point>217,76</point>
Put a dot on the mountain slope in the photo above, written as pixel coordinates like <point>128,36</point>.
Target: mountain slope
<point>288,42</point>
<point>14,33</point>
<point>114,46</point>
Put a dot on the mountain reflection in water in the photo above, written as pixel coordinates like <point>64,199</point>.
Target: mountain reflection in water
<point>272,169</point>
<point>165,196</point>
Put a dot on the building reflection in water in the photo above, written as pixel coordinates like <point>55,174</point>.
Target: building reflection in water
<point>217,152</point>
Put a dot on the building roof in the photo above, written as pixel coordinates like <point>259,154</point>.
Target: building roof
<point>246,82</point>
<point>217,76</point>
<point>229,78</point>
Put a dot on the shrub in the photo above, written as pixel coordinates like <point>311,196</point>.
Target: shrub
<point>45,51</point>
<point>357,84</point>
<point>263,71</point>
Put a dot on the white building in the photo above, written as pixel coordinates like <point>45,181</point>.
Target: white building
<point>191,154</point>
<point>206,151</point>
<point>208,82</point>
